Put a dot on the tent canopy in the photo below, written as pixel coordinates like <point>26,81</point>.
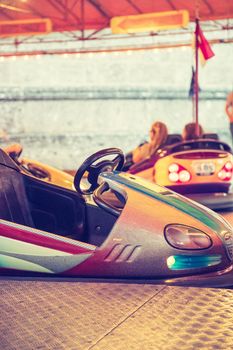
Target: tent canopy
<point>79,15</point>
<point>24,22</point>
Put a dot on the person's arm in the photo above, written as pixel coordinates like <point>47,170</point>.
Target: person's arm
<point>141,152</point>
<point>229,107</point>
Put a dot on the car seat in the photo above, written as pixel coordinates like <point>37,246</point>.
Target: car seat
<point>14,205</point>
<point>32,202</point>
<point>173,138</point>
<point>210,136</point>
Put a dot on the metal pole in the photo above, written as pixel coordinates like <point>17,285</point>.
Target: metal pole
<point>196,85</point>
<point>82,20</point>
<point>193,106</point>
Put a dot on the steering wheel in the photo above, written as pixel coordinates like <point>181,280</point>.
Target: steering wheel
<point>93,170</point>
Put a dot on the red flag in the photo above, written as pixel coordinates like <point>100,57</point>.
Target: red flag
<point>203,44</point>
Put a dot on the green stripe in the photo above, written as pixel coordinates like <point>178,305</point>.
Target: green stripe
<point>185,262</point>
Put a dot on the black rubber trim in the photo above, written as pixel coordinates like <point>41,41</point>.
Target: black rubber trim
<point>104,204</point>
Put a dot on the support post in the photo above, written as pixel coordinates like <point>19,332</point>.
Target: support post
<point>82,19</point>
<point>196,85</point>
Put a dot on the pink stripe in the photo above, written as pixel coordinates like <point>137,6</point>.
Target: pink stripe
<point>40,240</point>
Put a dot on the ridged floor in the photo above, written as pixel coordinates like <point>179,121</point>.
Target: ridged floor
<point>83,316</point>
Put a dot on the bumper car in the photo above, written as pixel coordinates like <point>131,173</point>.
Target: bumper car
<point>118,227</point>
<point>200,169</point>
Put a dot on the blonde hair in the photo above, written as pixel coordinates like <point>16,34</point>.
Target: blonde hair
<point>189,132</point>
<point>158,136</point>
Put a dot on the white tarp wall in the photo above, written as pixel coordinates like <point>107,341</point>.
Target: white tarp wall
<point>64,108</point>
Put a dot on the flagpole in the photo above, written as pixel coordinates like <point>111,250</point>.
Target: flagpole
<point>196,78</point>
<point>193,105</point>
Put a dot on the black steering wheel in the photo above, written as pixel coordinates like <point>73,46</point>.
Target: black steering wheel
<point>93,170</point>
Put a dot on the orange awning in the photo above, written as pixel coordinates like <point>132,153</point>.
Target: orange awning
<point>73,15</point>
<point>89,20</point>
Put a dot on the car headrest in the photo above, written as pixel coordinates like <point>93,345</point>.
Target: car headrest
<point>173,138</point>
<point>211,136</point>
<point>6,160</point>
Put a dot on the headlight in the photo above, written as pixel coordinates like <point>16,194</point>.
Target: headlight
<point>186,237</point>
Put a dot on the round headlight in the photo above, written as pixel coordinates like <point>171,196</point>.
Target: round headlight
<point>186,237</point>
<point>173,177</point>
<point>228,166</point>
<point>173,168</point>
<point>184,176</point>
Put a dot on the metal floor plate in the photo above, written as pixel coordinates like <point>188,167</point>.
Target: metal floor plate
<point>82,316</point>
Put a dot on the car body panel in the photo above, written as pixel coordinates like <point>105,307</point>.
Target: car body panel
<point>134,248</point>
<point>190,161</point>
<point>47,173</point>
<point>204,160</point>
<point>28,249</point>
<point>129,250</point>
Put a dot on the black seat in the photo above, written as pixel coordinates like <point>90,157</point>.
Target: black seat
<point>13,200</point>
<point>211,136</point>
<point>29,201</point>
<point>55,209</point>
<point>173,138</point>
